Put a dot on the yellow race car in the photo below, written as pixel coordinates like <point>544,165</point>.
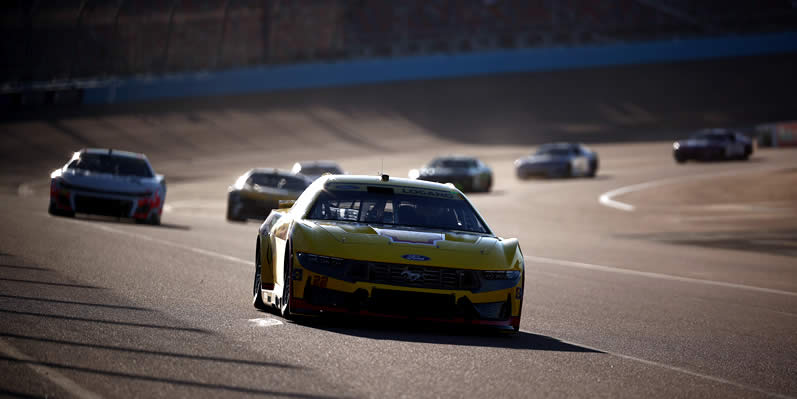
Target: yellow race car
<point>387,247</point>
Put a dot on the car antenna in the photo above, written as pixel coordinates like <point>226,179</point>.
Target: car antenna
<point>382,174</point>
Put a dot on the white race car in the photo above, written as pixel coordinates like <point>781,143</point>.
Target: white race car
<point>110,183</point>
<point>558,160</point>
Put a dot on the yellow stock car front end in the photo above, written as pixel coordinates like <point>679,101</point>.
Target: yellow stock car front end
<point>351,245</point>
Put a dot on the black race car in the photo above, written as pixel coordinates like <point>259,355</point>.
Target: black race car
<point>713,144</point>
<point>466,173</point>
<point>558,160</point>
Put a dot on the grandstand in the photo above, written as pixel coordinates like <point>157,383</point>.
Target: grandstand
<point>60,41</point>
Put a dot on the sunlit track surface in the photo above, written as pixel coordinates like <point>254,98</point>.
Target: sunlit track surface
<point>691,294</point>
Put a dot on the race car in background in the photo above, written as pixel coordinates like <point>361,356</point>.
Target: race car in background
<point>558,160</point>
<point>108,182</point>
<point>315,169</point>
<point>385,247</point>
<point>465,173</point>
<point>713,144</point>
<point>258,191</point>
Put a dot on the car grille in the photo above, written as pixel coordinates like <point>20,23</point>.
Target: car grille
<point>419,276</point>
<point>396,274</point>
<point>103,206</point>
<point>110,192</point>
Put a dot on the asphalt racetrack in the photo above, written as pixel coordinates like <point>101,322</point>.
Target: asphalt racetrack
<point>691,292</point>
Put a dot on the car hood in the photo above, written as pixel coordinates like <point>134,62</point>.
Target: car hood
<point>543,159</point>
<point>270,193</point>
<point>698,143</point>
<point>103,182</point>
<point>398,245</point>
<point>446,171</point>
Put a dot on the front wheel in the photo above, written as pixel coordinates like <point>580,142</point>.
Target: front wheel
<point>287,277</point>
<point>53,210</point>
<point>232,214</point>
<point>257,300</point>
<point>516,327</point>
<point>489,184</point>
<point>593,168</point>
<point>748,150</point>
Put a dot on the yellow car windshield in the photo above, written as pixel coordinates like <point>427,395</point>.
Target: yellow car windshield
<point>381,205</point>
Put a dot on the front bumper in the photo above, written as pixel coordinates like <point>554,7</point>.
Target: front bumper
<point>541,170</point>
<point>699,153</point>
<point>315,294</point>
<point>105,204</point>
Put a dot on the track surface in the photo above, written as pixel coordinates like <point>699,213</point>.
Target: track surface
<point>659,302</point>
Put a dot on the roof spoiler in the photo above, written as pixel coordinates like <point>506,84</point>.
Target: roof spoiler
<point>286,204</point>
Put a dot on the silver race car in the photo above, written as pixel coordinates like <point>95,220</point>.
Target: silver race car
<point>109,183</point>
<point>466,173</point>
<point>558,160</point>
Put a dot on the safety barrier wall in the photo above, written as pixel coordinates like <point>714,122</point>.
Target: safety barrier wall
<point>343,73</point>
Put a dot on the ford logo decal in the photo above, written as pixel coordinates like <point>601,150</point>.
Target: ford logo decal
<point>417,258</point>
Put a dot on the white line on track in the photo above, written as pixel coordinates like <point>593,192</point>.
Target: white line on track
<point>157,240</point>
<point>677,369</point>
<point>607,198</point>
<point>612,269</point>
<point>48,372</point>
<point>174,244</point>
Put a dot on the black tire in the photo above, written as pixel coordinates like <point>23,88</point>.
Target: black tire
<point>593,168</point>
<point>231,215</point>
<point>287,275</point>
<point>520,309</point>
<point>257,295</point>
<point>154,219</point>
<point>53,210</point>
<point>748,150</point>
<point>489,184</point>
<point>568,171</point>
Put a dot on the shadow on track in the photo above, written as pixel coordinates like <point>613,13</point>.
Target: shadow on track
<point>78,328</point>
<point>78,303</point>
<point>113,220</point>
<point>419,332</point>
<point>139,351</point>
<point>169,381</point>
